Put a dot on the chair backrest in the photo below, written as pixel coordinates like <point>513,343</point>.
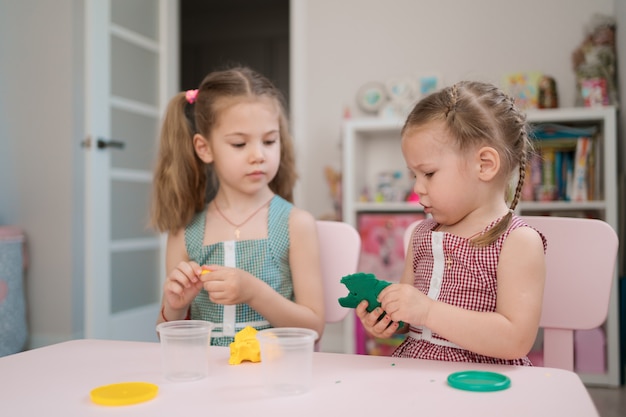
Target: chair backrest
<point>407,234</point>
<point>580,270</point>
<point>340,247</point>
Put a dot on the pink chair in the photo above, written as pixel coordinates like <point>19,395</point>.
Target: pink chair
<point>340,247</point>
<point>580,266</point>
<point>407,234</point>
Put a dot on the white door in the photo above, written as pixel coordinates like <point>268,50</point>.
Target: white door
<point>131,52</point>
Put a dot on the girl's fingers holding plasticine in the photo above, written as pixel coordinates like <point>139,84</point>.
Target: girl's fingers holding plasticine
<point>361,309</point>
<point>203,273</point>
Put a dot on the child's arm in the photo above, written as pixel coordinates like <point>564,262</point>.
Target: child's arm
<point>304,259</point>
<point>308,308</point>
<point>507,333</point>
<point>234,286</point>
<point>182,284</point>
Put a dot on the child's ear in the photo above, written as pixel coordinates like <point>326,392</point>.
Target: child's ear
<point>203,149</point>
<point>489,160</point>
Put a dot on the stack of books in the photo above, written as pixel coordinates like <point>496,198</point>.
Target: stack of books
<point>565,166</point>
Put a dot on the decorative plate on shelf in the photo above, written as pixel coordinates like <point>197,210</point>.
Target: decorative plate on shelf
<point>371,97</point>
<point>426,84</point>
<point>401,88</point>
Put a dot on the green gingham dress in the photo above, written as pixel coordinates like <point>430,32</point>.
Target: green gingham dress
<point>266,259</point>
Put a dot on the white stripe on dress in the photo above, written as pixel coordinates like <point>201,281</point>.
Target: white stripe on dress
<point>238,326</point>
<point>230,311</point>
<point>428,336</point>
<point>439,262</point>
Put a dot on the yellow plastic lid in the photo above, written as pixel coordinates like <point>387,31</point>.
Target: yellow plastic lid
<point>124,393</point>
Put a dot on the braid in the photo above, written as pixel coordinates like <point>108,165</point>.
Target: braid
<point>520,181</point>
<point>454,91</point>
<point>522,143</point>
<point>525,147</point>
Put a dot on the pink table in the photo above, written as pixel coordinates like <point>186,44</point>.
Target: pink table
<point>56,380</point>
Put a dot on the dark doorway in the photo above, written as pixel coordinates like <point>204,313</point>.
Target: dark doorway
<point>220,33</point>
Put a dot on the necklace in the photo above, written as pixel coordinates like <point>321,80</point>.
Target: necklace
<point>235,225</point>
<point>450,251</point>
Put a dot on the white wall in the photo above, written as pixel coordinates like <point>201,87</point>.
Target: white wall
<point>40,174</point>
<point>347,43</point>
<point>339,45</point>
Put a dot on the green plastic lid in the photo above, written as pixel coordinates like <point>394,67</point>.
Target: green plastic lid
<point>124,393</point>
<point>479,381</point>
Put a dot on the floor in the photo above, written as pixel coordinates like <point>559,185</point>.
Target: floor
<point>610,402</point>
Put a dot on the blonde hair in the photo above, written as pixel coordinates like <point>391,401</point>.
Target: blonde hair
<point>183,184</point>
<point>478,114</point>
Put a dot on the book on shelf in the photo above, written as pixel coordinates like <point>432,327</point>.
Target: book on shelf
<point>582,164</point>
<point>565,165</point>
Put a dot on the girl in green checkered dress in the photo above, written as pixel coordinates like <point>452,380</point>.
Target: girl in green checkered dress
<point>238,252</point>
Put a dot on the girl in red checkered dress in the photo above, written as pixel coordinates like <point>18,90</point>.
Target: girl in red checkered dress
<point>472,285</point>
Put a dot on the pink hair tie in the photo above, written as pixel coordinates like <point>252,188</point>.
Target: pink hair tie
<point>191,95</point>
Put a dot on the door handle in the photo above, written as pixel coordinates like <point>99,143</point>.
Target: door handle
<point>103,144</point>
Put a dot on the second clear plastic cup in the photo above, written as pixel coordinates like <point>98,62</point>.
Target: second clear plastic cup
<point>287,359</point>
<point>185,348</point>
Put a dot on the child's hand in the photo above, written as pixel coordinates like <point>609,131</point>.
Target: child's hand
<point>182,285</point>
<point>227,285</point>
<point>373,323</point>
<point>404,302</point>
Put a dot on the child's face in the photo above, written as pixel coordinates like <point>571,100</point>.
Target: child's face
<point>443,179</point>
<point>245,144</point>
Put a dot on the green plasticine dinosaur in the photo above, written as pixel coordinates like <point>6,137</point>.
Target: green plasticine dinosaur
<point>362,286</point>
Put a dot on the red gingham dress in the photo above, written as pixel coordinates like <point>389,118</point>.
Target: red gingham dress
<point>470,282</point>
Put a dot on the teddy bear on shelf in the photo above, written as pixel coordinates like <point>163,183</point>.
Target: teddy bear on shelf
<point>595,64</point>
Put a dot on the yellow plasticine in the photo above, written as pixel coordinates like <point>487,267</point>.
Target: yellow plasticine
<point>205,271</point>
<point>245,347</point>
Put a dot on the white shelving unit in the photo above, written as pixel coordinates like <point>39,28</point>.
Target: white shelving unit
<point>372,145</point>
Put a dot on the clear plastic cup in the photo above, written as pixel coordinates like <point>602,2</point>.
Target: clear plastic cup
<point>287,359</point>
<point>185,348</point>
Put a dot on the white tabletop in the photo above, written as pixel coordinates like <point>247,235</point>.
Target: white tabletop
<point>57,379</point>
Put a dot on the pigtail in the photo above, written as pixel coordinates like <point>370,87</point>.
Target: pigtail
<point>520,147</point>
<point>285,179</point>
<point>503,224</point>
<point>180,176</point>
<point>520,182</point>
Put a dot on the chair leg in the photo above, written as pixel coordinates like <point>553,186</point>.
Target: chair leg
<point>558,349</point>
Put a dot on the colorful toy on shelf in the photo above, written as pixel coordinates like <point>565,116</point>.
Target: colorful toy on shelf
<point>245,347</point>
<point>333,179</point>
<point>548,95</point>
<point>389,186</point>
<point>413,197</point>
<point>595,64</point>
